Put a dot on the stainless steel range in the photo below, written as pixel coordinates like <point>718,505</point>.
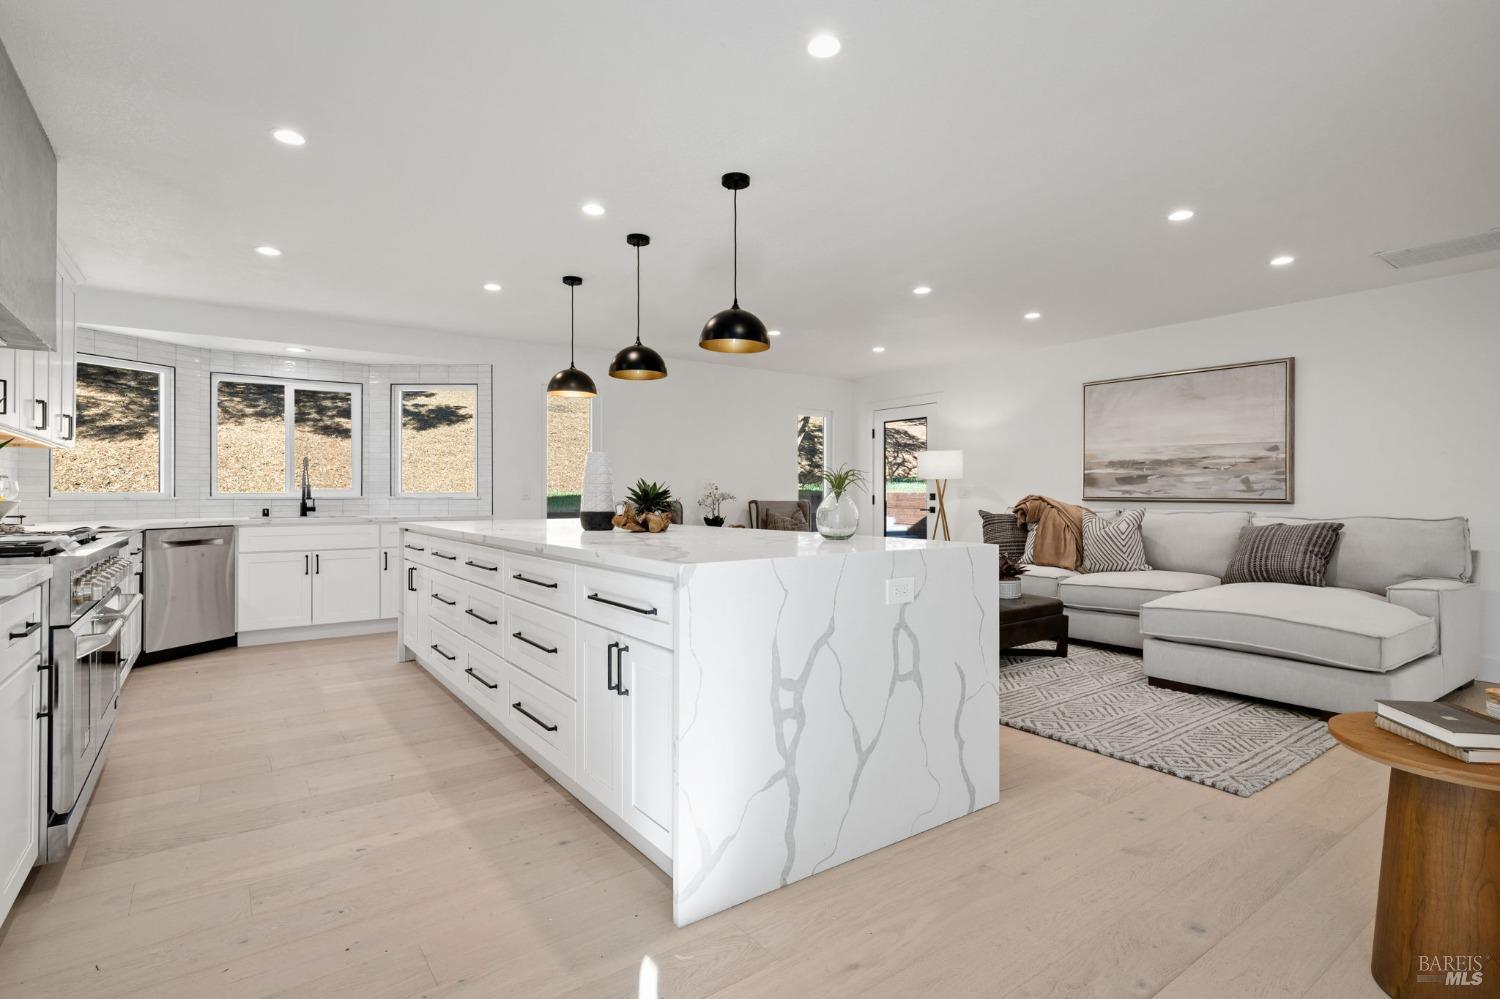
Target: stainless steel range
<point>86,612</point>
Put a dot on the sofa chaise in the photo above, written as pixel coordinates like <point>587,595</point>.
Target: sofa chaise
<point>1399,617</point>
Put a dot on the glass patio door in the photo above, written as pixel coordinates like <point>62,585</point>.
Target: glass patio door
<point>903,507</point>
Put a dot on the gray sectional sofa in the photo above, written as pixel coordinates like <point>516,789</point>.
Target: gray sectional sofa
<point>1399,617</point>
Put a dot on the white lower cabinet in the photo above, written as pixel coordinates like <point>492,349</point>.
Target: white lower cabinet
<point>413,622</point>
<point>346,586</point>
<point>601,742</point>
<point>20,772</point>
<point>390,582</point>
<point>273,590</point>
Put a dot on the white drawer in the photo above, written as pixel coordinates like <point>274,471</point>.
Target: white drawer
<point>484,676</point>
<point>447,596</point>
<point>307,537</point>
<point>414,548</point>
<point>444,648</point>
<point>484,619</point>
<point>21,628</point>
<point>540,641</point>
<point>541,718</point>
<point>540,580</point>
<point>480,565</point>
<point>637,605</point>
<point>444,554</point>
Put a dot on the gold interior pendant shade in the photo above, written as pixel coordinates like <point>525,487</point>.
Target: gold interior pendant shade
<point>570,383</point>
<point>735,331</point>
<point>638,362</point>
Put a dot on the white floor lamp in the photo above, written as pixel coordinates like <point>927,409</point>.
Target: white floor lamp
<point>941,467</point>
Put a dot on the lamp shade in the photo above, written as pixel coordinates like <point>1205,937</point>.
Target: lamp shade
<point>940,465</point>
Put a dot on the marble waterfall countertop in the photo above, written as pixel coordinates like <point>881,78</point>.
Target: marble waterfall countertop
<point>17,579</point>
<point>680,545</point>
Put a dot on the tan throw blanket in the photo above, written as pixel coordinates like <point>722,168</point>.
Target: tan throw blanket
<point>1059,531</point>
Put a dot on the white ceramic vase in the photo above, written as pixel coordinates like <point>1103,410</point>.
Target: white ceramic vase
<point>596,507</point>
<point>1010,589</point>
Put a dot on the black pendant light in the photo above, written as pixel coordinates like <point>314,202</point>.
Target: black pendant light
<point>570,383</point>
<point>735,331</point>
<point>638,362</point>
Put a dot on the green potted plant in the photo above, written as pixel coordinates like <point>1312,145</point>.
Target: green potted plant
<point>712,502</point>
<point>648,507</point>
<point>1011,571</point>
<point>838,514</point>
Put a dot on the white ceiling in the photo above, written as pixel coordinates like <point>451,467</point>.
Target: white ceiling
<point>1011,155</point>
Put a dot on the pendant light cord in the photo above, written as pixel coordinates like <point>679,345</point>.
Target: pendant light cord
<point>572,362</point>
<point>736,249</point>
<point>637,296</point>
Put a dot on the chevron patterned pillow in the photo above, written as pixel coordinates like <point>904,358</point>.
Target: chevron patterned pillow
<point>1114,544</point>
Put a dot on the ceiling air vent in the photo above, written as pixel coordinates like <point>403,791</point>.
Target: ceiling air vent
<point>1448,249</point>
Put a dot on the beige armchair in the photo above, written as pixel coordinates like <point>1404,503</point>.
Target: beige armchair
<point>760,509</point>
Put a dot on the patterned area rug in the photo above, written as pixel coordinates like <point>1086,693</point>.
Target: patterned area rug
<point>1098,699</point>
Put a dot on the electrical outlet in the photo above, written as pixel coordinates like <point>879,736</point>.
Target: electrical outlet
<point>900,591</point>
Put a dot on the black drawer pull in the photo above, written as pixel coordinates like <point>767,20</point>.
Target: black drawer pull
<point>416,548</point>
<point>492,686</point>
<point>444,600</point>
<point>540,724</point>
<point>533,582</point>
<point>535,645</point>
<point>439,650</point>
<point>29,628</point>
<point>615,603</point>
<point>445,555</point>
<point>480,617</point>
<point>481,565</point>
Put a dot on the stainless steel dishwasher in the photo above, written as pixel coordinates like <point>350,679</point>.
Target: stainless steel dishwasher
<point>188,581</point>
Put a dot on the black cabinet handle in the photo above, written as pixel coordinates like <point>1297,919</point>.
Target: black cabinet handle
<point>4,396</point>
<point>533,582</point>
<point>480,617</point>
<point>620,671</point>
<point>445,555</point>
<point>72,426</point>
<point>615,603</point>
<point>385,561</point>
<point>29,628</point>
<point>610,683</point>
<point>411,584</point>
<point>444,600</point>
<point>492,686</point>
<point>540,724</point>
<point>482,565</point>
<point>551,651</point>
<point>416,548</point>
<point>317,565</point>
<point>439,650</point>
<point>307,565</point>
<point>41,424</point>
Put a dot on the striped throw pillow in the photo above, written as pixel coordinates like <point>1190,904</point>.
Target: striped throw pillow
<point>1284,553</point>
<point>1114,544</point>
<point>1001,529</point>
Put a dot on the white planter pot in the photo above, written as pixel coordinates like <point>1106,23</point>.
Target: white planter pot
<point>1010,589</point>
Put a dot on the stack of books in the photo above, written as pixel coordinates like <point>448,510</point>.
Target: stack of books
<point>1457,732</point>
<point>1492,701</point>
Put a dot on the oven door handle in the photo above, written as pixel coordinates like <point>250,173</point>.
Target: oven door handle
<point>132,604</point>
<point>96,643</point>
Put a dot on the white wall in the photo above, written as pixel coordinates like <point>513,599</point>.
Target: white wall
<point>1397,408</point>
<point>723,421</point>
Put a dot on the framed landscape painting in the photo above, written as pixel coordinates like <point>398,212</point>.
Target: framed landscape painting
<point>1220,435</point>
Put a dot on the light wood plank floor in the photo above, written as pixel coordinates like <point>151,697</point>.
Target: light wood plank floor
<point>317,820</point>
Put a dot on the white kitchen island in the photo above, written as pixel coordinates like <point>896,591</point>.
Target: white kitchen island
<point>745,707</point>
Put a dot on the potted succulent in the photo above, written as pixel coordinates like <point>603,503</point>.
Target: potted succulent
<point>711,502</point>
<point>838,514</point>
<point>1010,578</point>
<point>648,507</point>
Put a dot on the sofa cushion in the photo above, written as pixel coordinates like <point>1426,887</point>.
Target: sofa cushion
<point>1124,592</point>
<point>1192,541</point>
<point>1376,552</point>
<point>1327,626</point>
<point>1042,580</point>
<point>1002,530</point>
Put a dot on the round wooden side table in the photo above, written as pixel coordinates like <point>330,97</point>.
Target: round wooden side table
<point>1437,920</point>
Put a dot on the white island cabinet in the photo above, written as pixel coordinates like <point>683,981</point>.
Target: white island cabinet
<point>747,708</point>
<point>22,628</point>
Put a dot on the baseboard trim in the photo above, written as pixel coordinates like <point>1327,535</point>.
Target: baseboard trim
<point>345,629</point>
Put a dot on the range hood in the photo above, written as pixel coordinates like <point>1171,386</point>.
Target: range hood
<point>28,220</point>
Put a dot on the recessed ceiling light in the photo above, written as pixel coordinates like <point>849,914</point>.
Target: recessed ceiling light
<point>773,332</point>
<point>878,350</point>
<point>1282,260</point>
<point>921,289</point>
<point>289,137</point>
<point>1032,315</point>
<point>491,286</point>
<point>268,251</point>
<point>593,208</point>
<point>824,46</point>
<point>1180,215</point>
<point>297,350</point>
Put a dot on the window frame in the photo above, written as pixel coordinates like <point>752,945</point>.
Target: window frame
<point>290,386</point>
<point>396,390</point>
<point>596,411</point>
<point>827,417</point>
<point>165,434</point>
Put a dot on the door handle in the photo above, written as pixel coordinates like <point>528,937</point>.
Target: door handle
<point>482,565</point>
<point>550,650</point>
<point>533,582</point>
<point>72,426</point>
<point>480,617</point>
<point>492,686</point>
<point>411,584</point>
<point>4,396</point>
<point>444,600</point>
<point>41,424</point>
<point>615,603</point>
<point>540,724</point>
<point>439,650</point>
<point>307,565</point>
<point>610,683</point>
<point>317,565</point>
<point>620,671</point>
<point>385,561</point>
<point>30,627</point>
